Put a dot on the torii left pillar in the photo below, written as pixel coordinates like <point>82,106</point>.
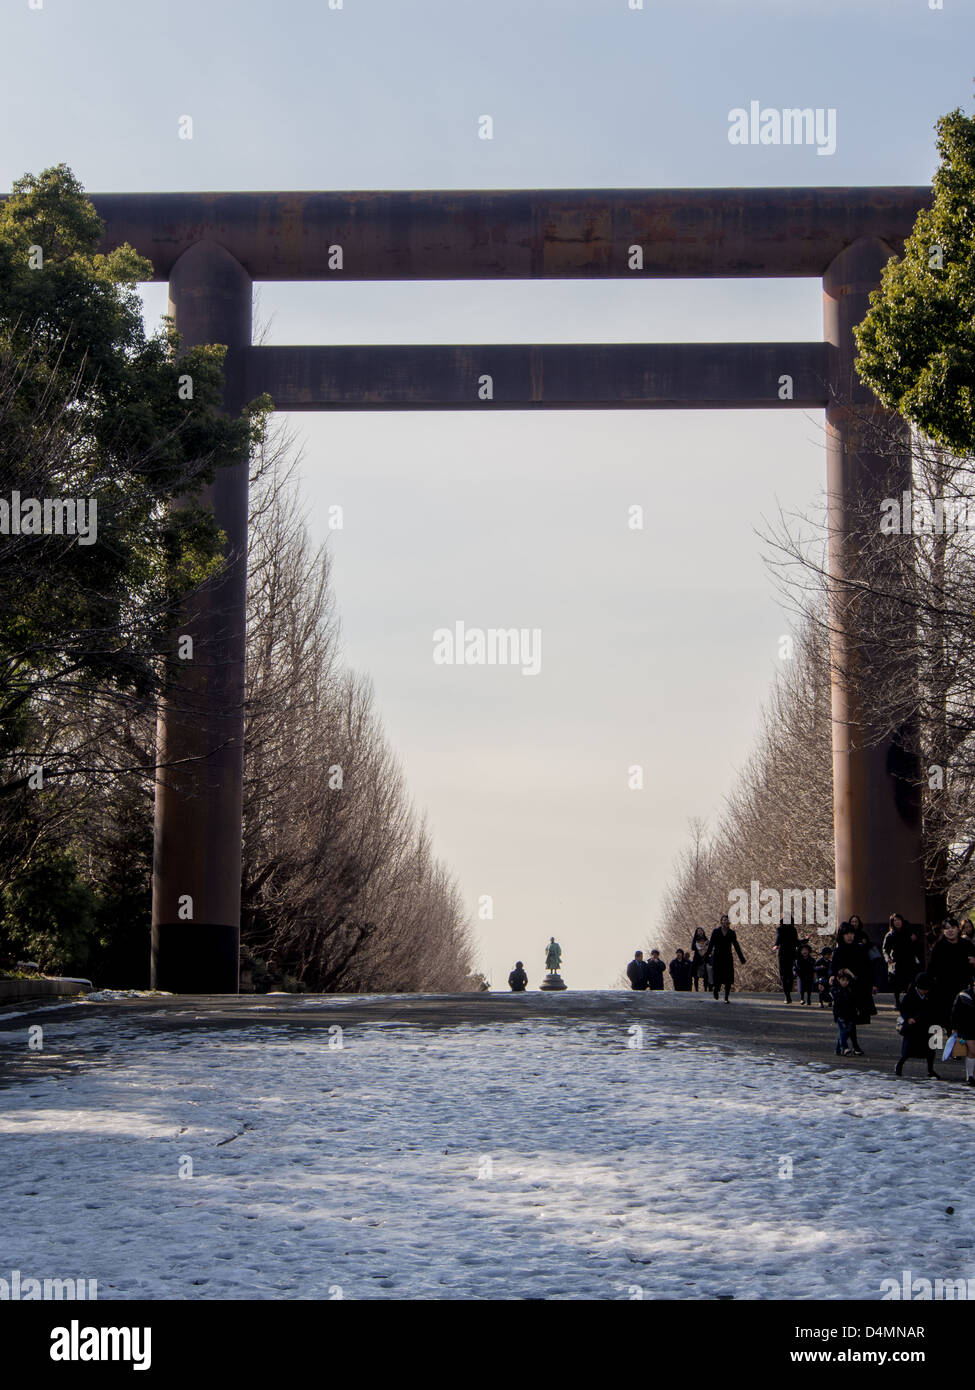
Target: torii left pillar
<point>200,734</point>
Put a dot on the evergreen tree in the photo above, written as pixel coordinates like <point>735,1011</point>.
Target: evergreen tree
<point>917,343</point>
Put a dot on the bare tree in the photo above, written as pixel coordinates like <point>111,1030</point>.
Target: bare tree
<point>911,610</point>
<point>776,828</point>
<point>340,886</point>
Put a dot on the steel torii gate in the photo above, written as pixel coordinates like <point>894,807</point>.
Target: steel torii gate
<point>211,247</point>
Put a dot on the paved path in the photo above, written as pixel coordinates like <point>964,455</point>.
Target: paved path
<point>756,1022</point>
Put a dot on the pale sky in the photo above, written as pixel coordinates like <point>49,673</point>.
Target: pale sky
<point>657,646</point>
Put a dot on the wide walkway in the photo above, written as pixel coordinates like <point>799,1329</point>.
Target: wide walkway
<point>760,1023</point>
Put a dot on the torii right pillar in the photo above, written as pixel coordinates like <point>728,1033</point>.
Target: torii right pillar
<point>876,789</point>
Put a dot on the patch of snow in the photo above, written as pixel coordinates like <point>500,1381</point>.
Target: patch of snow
<point>541,1158</point>
<point>99,996</point>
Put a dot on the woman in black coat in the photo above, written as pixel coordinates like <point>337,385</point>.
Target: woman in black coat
<point>723,942</point>
<point>787,948</point>
<point>949,967</point>
<point>854,956</point>
<point>963,1023</point>
<point>902,951</point>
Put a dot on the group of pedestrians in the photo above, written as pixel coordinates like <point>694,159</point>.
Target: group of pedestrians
<point>649,973</point>
<point>930,1001</point>
<point>800,970</point>
<point>941,1000</point>
<point>934,1000</point>
<point>843,977</point>
<point>709,962</point>
<point>852,984</point>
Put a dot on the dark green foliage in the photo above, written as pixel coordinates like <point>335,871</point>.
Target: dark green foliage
<point>90,408</point>
<point>47,914</point>
<point>917,343</point>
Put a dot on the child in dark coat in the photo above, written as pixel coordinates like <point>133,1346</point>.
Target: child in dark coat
<point>824,968</point>
<point>845,1004</point>
<point>805,973</point>
<point>920,1012</point>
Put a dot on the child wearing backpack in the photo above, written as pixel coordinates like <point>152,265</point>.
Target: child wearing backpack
<point>844,1011</point>
<point>824,968</point>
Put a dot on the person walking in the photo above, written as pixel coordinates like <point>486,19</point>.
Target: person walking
<point>518,979</point>
<point>901,950</point>
<point>636,971</point>
<point>680,971</point>
<point>932,936</point>
<point>655,971</point>
<point>699,958</point>
<point>805,973</point>
<point>843,990</point>
<point>878,969</point>
<point>918,1013</point>
<point>852,955</point>
<point>949,968</point>
<point>723,942</point>
<point>787,948</point>
<point>963,1023</point>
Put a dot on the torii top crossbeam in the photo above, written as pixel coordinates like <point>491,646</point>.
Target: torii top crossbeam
<point>525,234</point>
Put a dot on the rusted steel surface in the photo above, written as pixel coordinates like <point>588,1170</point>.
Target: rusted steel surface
<point>200,732</point>
<point>578,376</point>
<point>876,798</point>
<point>477,235</point>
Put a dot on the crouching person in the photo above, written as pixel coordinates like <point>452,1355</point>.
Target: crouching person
<point>518,979</point>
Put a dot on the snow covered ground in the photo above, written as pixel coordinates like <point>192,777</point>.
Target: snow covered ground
<point>541,1159</point>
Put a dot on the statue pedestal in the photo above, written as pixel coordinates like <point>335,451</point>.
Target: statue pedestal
<point>553,980</point>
